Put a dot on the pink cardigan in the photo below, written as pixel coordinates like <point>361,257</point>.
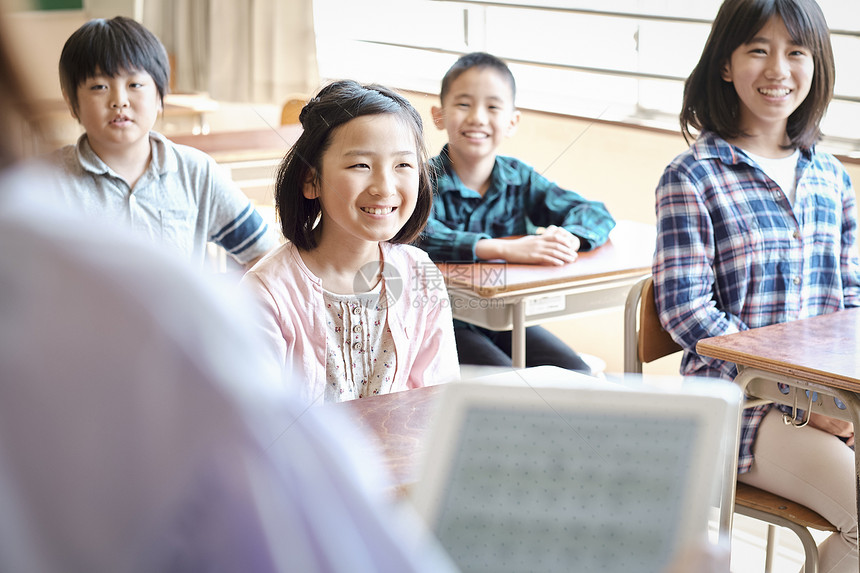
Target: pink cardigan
<point>293,317</point>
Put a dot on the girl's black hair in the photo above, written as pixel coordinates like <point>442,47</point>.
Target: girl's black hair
<point>711,104</point>
<point>335,105</point>
<point>111,47</point>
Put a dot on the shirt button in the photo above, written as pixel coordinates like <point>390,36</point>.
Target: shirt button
<point>356,328</point>
<point>796,234</point>
<point>356,346</point>
<point>797,280</point>
<point>356,310</point>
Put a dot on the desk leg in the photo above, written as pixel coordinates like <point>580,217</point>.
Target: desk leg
<point>201,125</point>
<point>518,335</point>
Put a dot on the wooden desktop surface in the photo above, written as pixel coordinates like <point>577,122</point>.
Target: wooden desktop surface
<point>400,421</point>
<point>229,146</point>
<point>629,250</point>
<point>823,349</point>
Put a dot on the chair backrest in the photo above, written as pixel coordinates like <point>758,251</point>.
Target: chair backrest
<point>292,108</point>
<point>645,340</point>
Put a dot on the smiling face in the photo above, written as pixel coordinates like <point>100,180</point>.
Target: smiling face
<point>478,113</point>
<point>772,76</point>
<point>118,112</point>
<point>368,183</point>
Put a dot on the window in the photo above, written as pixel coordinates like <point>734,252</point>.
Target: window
<point>577,57</point>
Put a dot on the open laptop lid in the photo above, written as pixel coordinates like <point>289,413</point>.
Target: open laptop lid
<point>554,472</point>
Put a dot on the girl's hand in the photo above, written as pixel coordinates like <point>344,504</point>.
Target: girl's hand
<point>839,428</point>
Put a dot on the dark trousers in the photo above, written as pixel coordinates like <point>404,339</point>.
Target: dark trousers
<point>477,345</point>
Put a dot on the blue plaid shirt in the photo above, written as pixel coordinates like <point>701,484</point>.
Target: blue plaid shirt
<point>733,254</point>
<point>518,201</point>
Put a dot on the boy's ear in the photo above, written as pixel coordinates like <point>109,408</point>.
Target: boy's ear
<point>309,187</point>
<point>438,116</point>
<point>515,121</point>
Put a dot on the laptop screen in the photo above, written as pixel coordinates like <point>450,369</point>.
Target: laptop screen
<point>589,479</point>
<point>545,515</point>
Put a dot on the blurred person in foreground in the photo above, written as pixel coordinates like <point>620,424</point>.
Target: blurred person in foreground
<point>138,431</point>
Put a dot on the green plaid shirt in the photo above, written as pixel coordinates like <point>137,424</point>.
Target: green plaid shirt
<point>518,201</point>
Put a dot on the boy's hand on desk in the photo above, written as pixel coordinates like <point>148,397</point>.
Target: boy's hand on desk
<point>561,235</point>
<point>554,246</point>
<point>839,428</point>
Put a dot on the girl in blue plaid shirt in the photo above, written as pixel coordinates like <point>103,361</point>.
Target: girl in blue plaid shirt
<point>757,226</point>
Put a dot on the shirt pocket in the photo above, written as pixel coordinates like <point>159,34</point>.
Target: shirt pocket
<point>737,233</point>
<point>177,229</point>
<point>825,218</point>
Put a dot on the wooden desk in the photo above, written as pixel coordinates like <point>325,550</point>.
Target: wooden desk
<point>194,104</point>
<point>400,421</point>
<point>250,158</point>
<point>816,359</point>
<point>234,146</point>
<point>503,296</point>
<point>823,349</point>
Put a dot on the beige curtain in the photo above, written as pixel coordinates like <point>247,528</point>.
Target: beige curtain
<point>258,51</point>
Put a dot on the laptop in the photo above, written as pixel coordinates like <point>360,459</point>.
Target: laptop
<point>545,470</point>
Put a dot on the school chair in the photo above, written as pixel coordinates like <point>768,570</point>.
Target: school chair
<point>292,108</point>
<point>645,340</point>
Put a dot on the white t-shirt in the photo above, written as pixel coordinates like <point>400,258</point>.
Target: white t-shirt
<point>782,170</point>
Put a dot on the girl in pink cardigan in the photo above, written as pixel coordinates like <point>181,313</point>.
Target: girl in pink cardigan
<point>349,309</point>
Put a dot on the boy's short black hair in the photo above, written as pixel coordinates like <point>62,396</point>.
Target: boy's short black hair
<point>110,47</point>
<point>477,60</point>
<point>711,104</point>
<point>335,105</point>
